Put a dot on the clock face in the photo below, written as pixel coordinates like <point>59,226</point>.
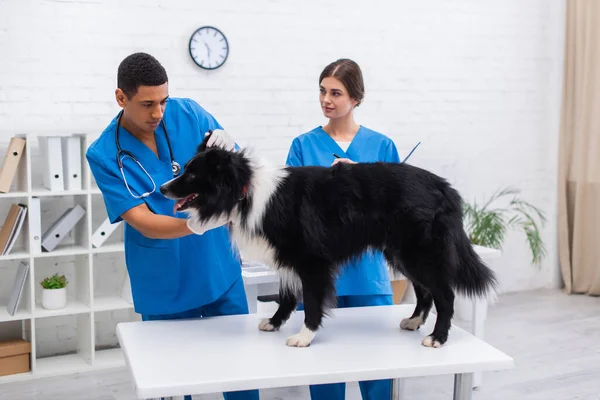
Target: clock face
<point>208,47</point>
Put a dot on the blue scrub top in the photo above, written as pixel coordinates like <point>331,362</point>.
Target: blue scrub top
<point>167,275</point>
<point>369,275</point>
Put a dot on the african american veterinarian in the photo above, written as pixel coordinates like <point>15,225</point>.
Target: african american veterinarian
<point>365,282</point>
<point>174,274</point>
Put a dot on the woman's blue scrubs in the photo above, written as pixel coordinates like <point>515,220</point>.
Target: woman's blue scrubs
<point>193,276</point>
<point>365,282</point>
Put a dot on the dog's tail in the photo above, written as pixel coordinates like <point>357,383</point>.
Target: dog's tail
<point>472,277</point>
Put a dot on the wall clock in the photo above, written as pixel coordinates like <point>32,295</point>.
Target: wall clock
<point>208,47</point>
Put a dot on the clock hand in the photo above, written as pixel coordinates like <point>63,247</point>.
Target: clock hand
<point>207,48</point>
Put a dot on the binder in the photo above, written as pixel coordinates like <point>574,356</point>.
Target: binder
<point>71,161</point>
<point>12,223</point>
<point>51,152</point>
<point>18,286</point>
<point>11,162</point>
<point>103,232</point>
<point>35,225</point>
<point>14,234</point>
<point>61,227</point>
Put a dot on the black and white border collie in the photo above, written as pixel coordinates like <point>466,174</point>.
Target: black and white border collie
<point>306,222</point>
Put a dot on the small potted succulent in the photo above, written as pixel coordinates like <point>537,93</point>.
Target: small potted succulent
<point>54,292</point>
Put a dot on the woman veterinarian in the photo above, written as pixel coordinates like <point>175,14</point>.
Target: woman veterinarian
<point>366,282</point>
<point>174,274</point>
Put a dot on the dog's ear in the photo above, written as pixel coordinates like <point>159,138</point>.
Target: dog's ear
<point>202,146</point>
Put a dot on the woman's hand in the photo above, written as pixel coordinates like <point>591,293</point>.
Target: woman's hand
<point>343,160</point>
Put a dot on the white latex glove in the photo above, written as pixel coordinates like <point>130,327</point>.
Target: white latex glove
<point>200,228</point>
<point>221,138</point>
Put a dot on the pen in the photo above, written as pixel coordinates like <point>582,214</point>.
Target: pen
<point>409,154</point>
<point>336,156</point>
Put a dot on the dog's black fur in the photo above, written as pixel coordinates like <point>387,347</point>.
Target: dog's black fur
<point>309,221</point>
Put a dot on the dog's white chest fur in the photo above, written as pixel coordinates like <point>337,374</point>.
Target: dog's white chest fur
<point>263,185</point>
<point>254,248</point>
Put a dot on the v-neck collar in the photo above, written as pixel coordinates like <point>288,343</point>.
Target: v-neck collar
<point>145,156</point>
<point>334,147</point>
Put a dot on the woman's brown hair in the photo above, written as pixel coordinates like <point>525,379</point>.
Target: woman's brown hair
<point>348,72</point>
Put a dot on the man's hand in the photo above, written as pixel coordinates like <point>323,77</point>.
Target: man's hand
<point>200,228</point>
<point>221,138</point>
<point>343,160</point>
<point>155,226</point>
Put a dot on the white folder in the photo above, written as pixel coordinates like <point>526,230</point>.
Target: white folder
<point>18,286</point>
<point>51,153</point>
<point>71,161</point>
<point>103,232</point>
<point>61,227</point>
<point>35,225</point>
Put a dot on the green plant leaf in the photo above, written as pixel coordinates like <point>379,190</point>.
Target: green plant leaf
<point>488,226</point>
<point>54,282</point>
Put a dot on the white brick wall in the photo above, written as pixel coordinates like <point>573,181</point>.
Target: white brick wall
<point>478,82</point>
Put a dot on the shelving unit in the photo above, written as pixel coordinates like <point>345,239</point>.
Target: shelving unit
<point>89,300</point>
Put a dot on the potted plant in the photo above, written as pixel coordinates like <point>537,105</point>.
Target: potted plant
<point>487,225</point>
<point>54,292</point>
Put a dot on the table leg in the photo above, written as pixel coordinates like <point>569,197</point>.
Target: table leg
<point>252,298</point>
<point>463,386</point>
<point>479,316</point>
<point>398,389</point>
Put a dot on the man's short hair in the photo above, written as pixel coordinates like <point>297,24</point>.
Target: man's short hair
<point>140,69</point>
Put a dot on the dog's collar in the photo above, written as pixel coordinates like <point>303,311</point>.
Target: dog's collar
<point>244,190</point>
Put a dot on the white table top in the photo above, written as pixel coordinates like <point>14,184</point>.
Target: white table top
<point>174,358</point>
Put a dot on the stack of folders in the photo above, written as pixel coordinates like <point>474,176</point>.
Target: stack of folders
<point>18,286</point>
<point>61,157</point>
<point>11,162</point>
<point>12,227</point>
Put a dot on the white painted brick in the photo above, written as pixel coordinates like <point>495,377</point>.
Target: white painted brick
<point>478,82</point>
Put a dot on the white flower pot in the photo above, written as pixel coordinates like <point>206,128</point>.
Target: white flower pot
<point>54,299</point>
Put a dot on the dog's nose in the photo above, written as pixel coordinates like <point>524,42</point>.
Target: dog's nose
<point>162,189</point>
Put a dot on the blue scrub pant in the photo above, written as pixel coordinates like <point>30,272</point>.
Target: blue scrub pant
<point>233,302</point>
<point>370,390</point>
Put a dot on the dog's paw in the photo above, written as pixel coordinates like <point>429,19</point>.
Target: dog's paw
<point>298,340</point>
<point>265,325</point>
<point>301,339</point>
<point>429,341</point>
<point>411,324</point>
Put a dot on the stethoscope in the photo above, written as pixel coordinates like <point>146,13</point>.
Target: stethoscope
<point>175,167</point>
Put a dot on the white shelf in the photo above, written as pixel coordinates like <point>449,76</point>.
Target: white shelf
<point>69,364</point>
<point>19,315</point>
<point>78,258</point>
<point>109,358</point>
<point>73,307</point>
<point>111,303</point>
<point>42,192</point>
<point>13,195</point>
<point>109,248</point>
<point>63,250</point>
<point>60,365</point>
<point>18,254</point>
